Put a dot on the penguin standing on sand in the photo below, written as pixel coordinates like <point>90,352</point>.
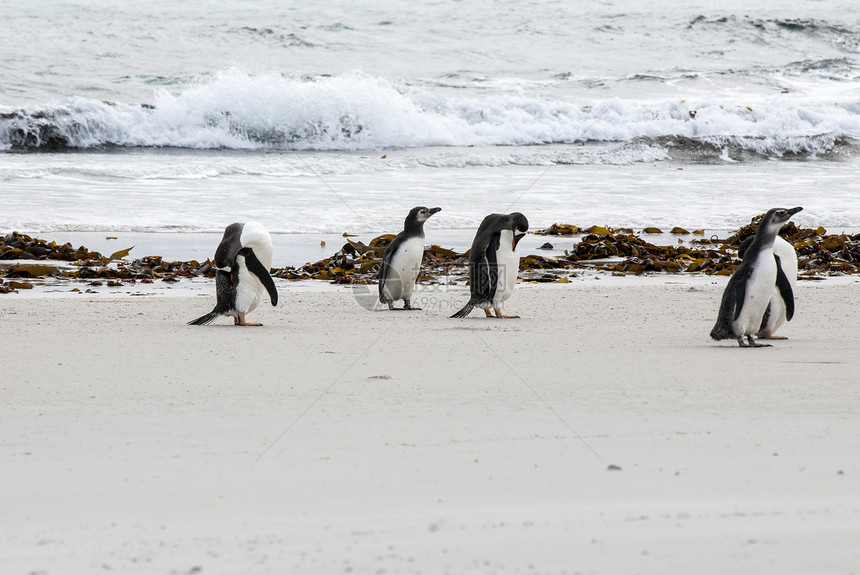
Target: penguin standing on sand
<point>242,263</point>
<point>749,291</point>
<point>402,260</point>
<point>782,297</point>
<point>494,262</point>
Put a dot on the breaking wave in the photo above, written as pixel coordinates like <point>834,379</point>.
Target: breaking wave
<point>234,110</point>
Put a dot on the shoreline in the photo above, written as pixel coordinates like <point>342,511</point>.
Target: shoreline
<point>201,286</point>
<point>293,249</point>
<point>296,249</point>
<point>620,251</point>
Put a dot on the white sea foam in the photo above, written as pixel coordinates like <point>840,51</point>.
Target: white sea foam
<point>236,110</point>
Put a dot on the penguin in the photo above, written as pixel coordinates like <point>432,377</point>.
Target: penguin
<point>242,263</point>
<point>401,261</point>
<point>749,291</point>
<point>781,298</point>
<point>494,262</point>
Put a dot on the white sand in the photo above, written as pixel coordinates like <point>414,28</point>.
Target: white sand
<point>337,440</point>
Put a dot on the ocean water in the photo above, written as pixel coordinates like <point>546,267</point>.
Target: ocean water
<point>162,122</point>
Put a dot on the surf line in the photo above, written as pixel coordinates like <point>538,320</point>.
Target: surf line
<point>333,191</point>
<point>543,173</point>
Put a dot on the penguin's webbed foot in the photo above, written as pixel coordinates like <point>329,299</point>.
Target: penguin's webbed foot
<point>407,306</point>
<point>391,306</point>
<point>240,320</point>
<point>489,312</point>
<point>751,342</point>
<point>500,315</point>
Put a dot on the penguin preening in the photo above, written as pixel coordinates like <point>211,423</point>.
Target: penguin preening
<point>401,262</point>
<point>749,291</point>
<point>782,297</point>
<point>242,263</point>
<point>494,262</point>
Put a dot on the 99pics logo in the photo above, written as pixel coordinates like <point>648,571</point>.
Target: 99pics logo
<point>437,298</point>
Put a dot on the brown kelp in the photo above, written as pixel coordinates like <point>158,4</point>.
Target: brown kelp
<point>619,251</point>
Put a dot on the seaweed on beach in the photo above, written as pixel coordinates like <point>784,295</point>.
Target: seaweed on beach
<point>80,264</point>
<point>358,263</point>
<point>619,251</point>
<point>819,254</point>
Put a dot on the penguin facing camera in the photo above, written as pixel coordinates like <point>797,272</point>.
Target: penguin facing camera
<point>242,263</point>
<point>781,298</point>
<point>401,261</point>
<point>750,289</point>
<point>494,262</point>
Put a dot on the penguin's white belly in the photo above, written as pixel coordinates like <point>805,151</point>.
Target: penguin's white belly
<point>776,317</point>
<point>788,262</point>
<point>403,269</point>
<point>250,290</point>
<point>758,294</point>
<point>508,261</point>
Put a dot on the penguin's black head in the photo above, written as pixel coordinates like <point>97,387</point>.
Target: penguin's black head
<point>420,214</point>
<point>774,219</point>
<point>519,225</point>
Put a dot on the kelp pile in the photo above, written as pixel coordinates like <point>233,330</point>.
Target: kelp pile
<point>619,251</point>
<point>84,265</point>
<point>571,230</point>
<point>818,253</point>
<point>358,263</point>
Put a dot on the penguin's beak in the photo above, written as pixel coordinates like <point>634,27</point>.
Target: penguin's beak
<point>793,211</point>
<point>517,238</point>
<point>434,210</point>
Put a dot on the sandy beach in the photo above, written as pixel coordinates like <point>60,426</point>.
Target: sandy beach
<point>603,432</point>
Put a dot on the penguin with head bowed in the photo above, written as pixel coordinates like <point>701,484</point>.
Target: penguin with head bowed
<point>401,261</point>
<point>494,262</point>
<point>242,263</point>
<point>782,304</point>
<point>750,289</point>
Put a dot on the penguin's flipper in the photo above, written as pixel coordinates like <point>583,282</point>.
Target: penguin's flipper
<point>738,290</point>
<point>258,269</point>
<point>730,305</point>
<point>382,276</point>
<point>485,271</point>
<point>205,319</point>
<point>785,291</point>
